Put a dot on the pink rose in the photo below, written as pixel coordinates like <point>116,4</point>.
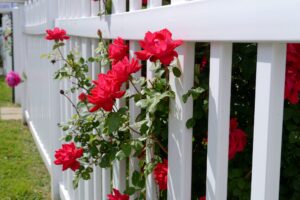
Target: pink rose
<point>13,79</point>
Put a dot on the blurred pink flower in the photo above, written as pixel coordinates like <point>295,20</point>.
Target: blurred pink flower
<point>13,79</point>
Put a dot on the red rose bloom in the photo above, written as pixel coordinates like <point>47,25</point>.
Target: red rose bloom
<point>123,69</point>
<point>67,156</point>
<point>144,2</point>
<point>117,50</point>
<point>159,46</point>
<point>237,139</point>
<point>82,97</point>
<point>203,198</point>
<point>292,77</point>
<point>56,34</point>
<point>104,94</point>
<point>161,174</point>
<point>117,195</point>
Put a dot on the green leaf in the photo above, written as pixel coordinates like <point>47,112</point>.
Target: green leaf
<point>76,181</point>
<point>130,191</point>
<point>190,123</point>
<point>138,179</point>
<point>176,71</point>
<point>113,122</point>
<point>68,138</point>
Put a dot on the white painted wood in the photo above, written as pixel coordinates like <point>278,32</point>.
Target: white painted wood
<point>154,3</point>
<point>151,188</point>
<point>133,109</point>
<point>119,167</point>
<point>86,8</point>
<point>97,182</point>
<point>119,175</point>
<point>135,5</point>
<point>118,6</point>
<point>218,126</point>
<point>97,170</point>
<point>95,7</point>
<point>269,98</point>
<point>260,27</point>
<point>106,186</point>
<point>180,138</point>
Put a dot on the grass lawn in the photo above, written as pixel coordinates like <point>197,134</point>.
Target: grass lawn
<point>23,175</point>
<point>5,94</point>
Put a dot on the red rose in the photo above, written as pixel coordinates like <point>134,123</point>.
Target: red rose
<point>117,50</point>
<point>117,195</point>
<point>56,34</point>
<point>123,69</point>
<point>144,2</point>
<point>161,174</point>
<point>104,94</point>
<point>159,46</point>
<point>67,156</point>
<point>292,77</point>
<point>237,139</point>
<point>203,198</point>
<point>82,96</point>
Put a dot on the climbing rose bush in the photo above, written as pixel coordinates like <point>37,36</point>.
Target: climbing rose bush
<point>68,156</point>
<point>101,131</point>
<point>13,79</point>
<point>117,195</point>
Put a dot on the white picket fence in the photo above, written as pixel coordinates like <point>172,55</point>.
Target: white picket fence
<point>271,23</point>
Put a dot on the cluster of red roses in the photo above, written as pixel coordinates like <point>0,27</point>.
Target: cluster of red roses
<point>292,82</point>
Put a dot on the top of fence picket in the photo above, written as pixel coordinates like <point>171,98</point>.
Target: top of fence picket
<point>198,20</point>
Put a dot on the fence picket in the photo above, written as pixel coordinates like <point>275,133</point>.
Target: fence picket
<point>268,120</point>
<point>180,138</point>
<point>218,126</point>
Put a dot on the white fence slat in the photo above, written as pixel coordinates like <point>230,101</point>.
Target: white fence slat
<point>106,180</point>
<point>180,138</point>
<point>269,99</point>
<point>133,109</point>
<point>135,5</point>
<point>95,7</point>
<point>97,174</point>
<point>86,52</point>
<point>154,3</point>
<point>86,8</point>
<point>97,182</point>
<point>118,6</point>
<point>151,187</point>
<point>218,126</point>
<point>119,175</point>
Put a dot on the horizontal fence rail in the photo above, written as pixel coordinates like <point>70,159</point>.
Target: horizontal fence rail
<point>219,22</point>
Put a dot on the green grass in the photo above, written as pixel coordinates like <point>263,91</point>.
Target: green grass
<point>5,94</point>
<point>23,175</point>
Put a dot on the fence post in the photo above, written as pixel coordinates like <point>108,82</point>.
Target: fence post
<point>269,99</point>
